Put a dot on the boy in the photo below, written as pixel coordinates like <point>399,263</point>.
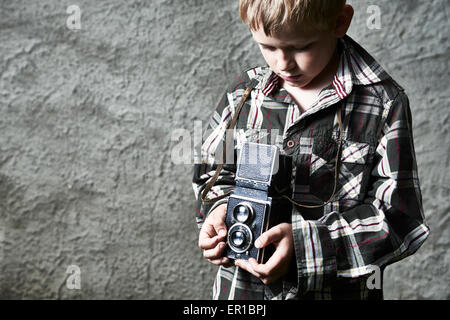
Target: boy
<point>346,126</point>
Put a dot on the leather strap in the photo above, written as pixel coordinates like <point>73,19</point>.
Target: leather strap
<point>230,125</point>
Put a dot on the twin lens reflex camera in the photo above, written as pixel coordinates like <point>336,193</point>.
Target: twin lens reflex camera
<point>249,205</point>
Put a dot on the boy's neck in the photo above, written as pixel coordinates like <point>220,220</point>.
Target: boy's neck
<point>306,96</point>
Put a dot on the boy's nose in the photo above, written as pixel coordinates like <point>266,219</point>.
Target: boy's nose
<point>285,62</point>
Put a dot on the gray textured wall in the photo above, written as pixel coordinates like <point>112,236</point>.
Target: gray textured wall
<point>86,176</point>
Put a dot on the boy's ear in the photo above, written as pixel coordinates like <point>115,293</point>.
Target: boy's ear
<point>343,21</point>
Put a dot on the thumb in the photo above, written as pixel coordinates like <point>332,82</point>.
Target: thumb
<point>272,235</point>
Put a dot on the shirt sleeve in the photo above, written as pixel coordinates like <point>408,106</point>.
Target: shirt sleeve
<point>388,226</point>
<point>207,156</point>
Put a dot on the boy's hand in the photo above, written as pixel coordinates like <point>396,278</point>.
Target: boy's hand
<point>212,235</point>
<point>278,264</point>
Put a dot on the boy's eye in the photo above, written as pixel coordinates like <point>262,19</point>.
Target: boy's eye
<point>302,48</point>
<point>268,48</point>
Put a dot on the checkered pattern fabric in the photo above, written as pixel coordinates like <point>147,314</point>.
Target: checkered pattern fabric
<point>376,215</point>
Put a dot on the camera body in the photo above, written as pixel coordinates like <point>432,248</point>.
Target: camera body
<point>249,205</point>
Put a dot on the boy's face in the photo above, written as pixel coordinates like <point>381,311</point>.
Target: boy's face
<point>298,56</point>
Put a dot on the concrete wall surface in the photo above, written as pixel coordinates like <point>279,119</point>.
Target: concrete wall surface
<point>86,118</point>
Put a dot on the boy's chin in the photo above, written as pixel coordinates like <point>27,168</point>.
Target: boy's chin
<point>300,83</point>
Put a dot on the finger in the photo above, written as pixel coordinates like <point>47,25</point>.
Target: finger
<point>207,233</point>
<point>218,222</point>
<point>258,268</point>
<point>215,217</point>
<point>207,230</point>
<point>205,242</point>
<point>246,265</point>
<point>272,235</point>
<point>266,276</point>
<point>214,253</point>
<point>221,231</point>
<point>224,261</point>
<point>274,262</point>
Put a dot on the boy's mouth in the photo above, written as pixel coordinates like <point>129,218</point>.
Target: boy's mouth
<point>291,78</point>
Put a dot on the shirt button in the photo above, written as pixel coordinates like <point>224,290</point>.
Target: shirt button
<point>290,144</point>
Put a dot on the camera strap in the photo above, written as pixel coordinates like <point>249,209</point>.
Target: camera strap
<point>231,125</point>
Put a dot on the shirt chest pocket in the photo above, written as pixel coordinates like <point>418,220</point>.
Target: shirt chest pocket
<point>354,170</point>
<point>318,168</point>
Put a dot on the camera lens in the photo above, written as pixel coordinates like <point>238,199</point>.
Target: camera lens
<point>238,238</point>
<point>243,212</point>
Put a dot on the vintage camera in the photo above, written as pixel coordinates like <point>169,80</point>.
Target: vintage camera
<point>249,205</point>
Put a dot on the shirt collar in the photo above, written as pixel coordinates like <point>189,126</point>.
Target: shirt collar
<point>356,67</point>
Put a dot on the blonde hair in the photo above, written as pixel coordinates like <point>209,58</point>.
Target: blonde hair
<point>275,15</point>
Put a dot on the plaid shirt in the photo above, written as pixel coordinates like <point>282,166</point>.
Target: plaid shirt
<point>376,216</point>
